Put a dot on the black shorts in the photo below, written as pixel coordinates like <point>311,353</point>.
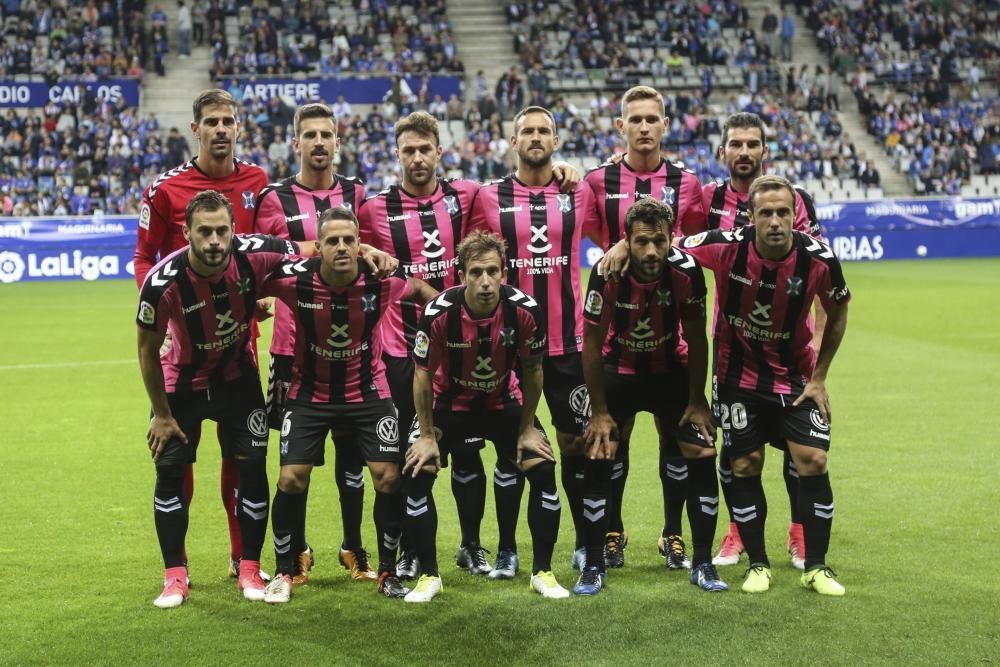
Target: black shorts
<point>279,380</point>
<point>566,393</point>
<point>372,427</point>
<point>751,419</point>
<point>463,434</point>
<point>237,407</point>
<point>665,396</point>
<point>399,374</point>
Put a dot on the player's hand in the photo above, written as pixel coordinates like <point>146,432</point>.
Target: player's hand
<point>615,261</point>
<point>816,391</point>
<point>168,340</point>
<point>281,392</point>
<point>566,175</point>
<point>534,441</point>
<point>602,437</point>
<point>699,415</point>
<point>161,431</point>
<point>616,158</point>
<point>382,264</point>
<point>263,310</point>
<point>423,451</point>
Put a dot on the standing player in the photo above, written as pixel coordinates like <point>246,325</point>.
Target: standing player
<point>420,222</point>
<point>643,172</point>
<point>634,360</point>
<point>338,385</point>
<point>289,209</point>
<point>744,149</point>
<point>542,228</point>
<point>464,385</point>
<point>216,126</point>
<point>205,297</point>
<point>769,380</point>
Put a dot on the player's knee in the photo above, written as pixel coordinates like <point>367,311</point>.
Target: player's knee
<point>537,470</point>
<point>571,445</point>
<point>293,480</point>
<point>811,461</point>
<point>385,477</point>
<point>749,465</point>
<point>170,478</point>
<point>693,451</point>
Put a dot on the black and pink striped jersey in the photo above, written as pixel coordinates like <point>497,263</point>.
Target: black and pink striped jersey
<point>542,227</point>
<point>422,233</point>
<point>289,210</point>
<point>617,186</point>
<point>473,360</point>
<point>763,333</point>
<point>643,319</point>
<point>728,209</point>
<point>208,318</point>
<point>337,353</point>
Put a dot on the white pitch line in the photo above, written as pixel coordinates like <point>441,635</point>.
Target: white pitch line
<point>66,364</point>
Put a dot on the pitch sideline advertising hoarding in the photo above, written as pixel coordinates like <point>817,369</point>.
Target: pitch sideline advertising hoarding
<point>99,247</point>
<point>29,94</point>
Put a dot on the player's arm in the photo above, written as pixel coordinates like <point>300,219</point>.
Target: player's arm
<point>833,334</point>
<point>602,432</point>
<point>381,263</point>
<point>819,315</point>
<point>151,232</point>
<point>615,261</point>
<point>566,175</point>
<point>423,454</point>
<point>420,292</point>
<point>529,438</point>
<point>162,427</point>
<point>697,412</point>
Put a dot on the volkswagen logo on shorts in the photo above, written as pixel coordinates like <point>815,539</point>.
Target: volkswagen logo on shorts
<point>388,430</point>
<point>257,423</point>
<point>817,419</point>
<point>579,401</point>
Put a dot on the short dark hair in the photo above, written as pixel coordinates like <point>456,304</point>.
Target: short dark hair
<point>642,93</point>
<point>767,184</point>
<point>420,122</point>
<point>743,120</point>
<point>212,97</point>
<point>480,243</point>
<point>207,200</point>
<point>335,213</point>
<point>650,211</point>
<point>312,110</point>
<point>534,109</point>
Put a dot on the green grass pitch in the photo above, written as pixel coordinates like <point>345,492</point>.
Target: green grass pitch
<point>914,467</point>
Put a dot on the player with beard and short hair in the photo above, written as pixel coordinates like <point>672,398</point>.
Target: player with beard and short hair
<point>542,228</point>
<point>770,382</point>
<point>205,296</point>
<point>339,386</point>
<point>643,173</point>
<point>161,228</point>
<point>635,360</point>
<point>470,338</point>
<point>289,209</point>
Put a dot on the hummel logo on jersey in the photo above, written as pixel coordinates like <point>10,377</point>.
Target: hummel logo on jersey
<point>226,323</point>
<point>484,368</point>
<point>338,336</point>
<point>663,297</point>
<point>167,270</point>
<point>517,296</point>
<point>243,285</point>
<point>451,204</point>
<point>368,302</point>
<point>507,337</point>
<point>565,203</point>
<point>539,235</point>
<point>794,286</point>
<point>297,267</point>
<point>761,314</point>
<point>250,243</point>
<point>642,329</point>
<point>436,306</point>
<point>823,249</point>
<point>432,244</point>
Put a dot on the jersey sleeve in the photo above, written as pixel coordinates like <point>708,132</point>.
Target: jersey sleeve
<point>595,179</point>
<point>707,247</point>
<point>366,224</point>
<point>269,217</point>
<point>151,233</point>
<point>429,342</point>
<point>689,287</point>
<point>479,219</point>
<point>399,286</point>
<point>154,308</point>
<point>593,303</point>
<point>592,226</point>
<point>693,218</point>
<point>253,243</point>
<point>533,336</point>
<point>806,220</point>
<point>281,281</point>
<point>832,289</point>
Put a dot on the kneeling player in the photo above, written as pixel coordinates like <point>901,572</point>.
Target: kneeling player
<point>338,385</point>
<point>469,339</point>
<point>634,360</point>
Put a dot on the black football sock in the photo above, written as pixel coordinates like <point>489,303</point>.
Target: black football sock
<point>750,513</point>
<point>816,510</point>
<point>726,480</point>
<point>619,473</point>
<point>508,488</point>
<point>421,521</point>
<point>252,510</point>
<point>285,511</point>
<point>350,474</point>
<point>597,486</point>
<point>170,514</point>
<point>468,485</point>
<point>388,514</point>
<point>299,540</point>
<point>702,508</point>
<point>674,479</point>
<point>544,510</point>
<point>572,480</point>
<point>791,475</point>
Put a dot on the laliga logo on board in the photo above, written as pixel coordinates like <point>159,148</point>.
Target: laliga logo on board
<point>11,267</point>
<point>64,265</point>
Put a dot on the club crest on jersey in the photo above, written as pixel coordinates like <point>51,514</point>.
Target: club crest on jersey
<point>368,303</point>
<point>243,285</point>
<point>451,204</point>
<point>565,202</point>
<point>668,195</point>
<point>507,337</point>
<point>484,368</point>
<point>794,286</point>
<point>249,200</point>
<point>421,344</point>
<point>663,297</point>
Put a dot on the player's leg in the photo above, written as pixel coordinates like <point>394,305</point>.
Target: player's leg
<point>347,445</point>
<point>674,475</point>
<point>399,374</point>
<point>468,485</point>
<point>731,547</point>
<point>796,540</point>
<point>616,539</point>
<point>229,485</point>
